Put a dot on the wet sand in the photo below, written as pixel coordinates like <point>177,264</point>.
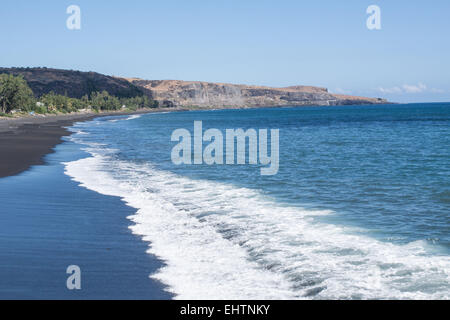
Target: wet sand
<point>25,141</point>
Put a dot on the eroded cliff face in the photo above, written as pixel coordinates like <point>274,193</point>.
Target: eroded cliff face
<point>220,95</point>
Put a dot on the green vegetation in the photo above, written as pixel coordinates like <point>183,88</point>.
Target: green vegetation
<point>16,96</point>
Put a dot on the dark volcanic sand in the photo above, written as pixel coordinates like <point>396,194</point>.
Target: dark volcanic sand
<point>25,141</point>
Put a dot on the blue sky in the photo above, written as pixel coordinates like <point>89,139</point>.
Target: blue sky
<point>276,43</point>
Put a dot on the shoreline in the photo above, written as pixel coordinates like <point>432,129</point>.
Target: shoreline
<point>32,141</point>
<point>25,141</point>
<point>51,222</point>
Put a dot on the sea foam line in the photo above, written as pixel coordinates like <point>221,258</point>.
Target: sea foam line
<point>224,242</point>
<point>201,264</point>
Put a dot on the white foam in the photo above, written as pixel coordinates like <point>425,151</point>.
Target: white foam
<point>224,242</point>
<point>132,117</point>
<point>196,254</point>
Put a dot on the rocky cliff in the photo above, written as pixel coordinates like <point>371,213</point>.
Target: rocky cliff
<point>220,95</point>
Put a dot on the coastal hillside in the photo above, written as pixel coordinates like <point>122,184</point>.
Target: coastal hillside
<point>175,93</point>
<point>205,94</point>
<point>74,84</point>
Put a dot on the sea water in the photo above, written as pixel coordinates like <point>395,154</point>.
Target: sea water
<point>360,207</point>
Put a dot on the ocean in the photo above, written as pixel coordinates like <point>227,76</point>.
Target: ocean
<point>359,209</point>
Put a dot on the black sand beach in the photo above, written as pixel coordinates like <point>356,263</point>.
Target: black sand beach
<point>48,222</point>
<point>114,261</point>
<point>25,141</point>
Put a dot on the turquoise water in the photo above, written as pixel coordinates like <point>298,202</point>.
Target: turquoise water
<point>359,208</point>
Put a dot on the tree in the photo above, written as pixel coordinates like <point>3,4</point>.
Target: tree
<point>103,101</point>
<point>15,94</point>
